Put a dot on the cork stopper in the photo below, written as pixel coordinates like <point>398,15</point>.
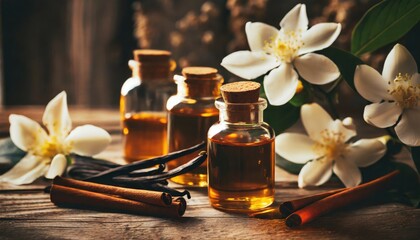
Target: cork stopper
<point>200,82</point>
<point>153,64</point>
<point>207,73</point>
<point>151,55</point>
<point>241,92</point>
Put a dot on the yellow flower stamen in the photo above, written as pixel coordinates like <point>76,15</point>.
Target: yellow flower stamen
<point>52,147</point>
<point>286,46</point>
<point>331,145</point>
<point>299,87</point>
<point>404,91</point>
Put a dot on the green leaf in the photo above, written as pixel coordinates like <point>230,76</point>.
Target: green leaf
<point>282,117</point>
<point>290,167</point>
<point>415,154</point>
<point>346,63</point>
<point>9,154</point>
<point>384,23</point>
<point>301,98</point>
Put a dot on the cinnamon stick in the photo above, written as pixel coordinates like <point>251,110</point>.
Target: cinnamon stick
<point>288,207</point>
<point>341,199</point>
<point>72,197</point>
<point>140,195</point>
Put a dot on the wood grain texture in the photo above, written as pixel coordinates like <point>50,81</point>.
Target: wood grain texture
<point>27,213</point>
<point>32,214</point>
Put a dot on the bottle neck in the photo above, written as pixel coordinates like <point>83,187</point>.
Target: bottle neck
<point>241,113</point>
<point>196,89</point>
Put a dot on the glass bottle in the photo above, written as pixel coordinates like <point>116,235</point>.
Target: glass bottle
<point>142,104</point>
<point>191,112</point>
<point>241,158</point>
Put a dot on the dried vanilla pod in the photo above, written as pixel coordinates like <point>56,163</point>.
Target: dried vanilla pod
<point>139,175</point>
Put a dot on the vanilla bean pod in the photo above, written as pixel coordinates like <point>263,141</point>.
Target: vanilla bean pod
<point>172,191</point>
<point>125,169</point>
<point>92,161</point>
<point>80,172</point>
<point>90,167</point>
<point>165,175</point>
<point>142,173</point>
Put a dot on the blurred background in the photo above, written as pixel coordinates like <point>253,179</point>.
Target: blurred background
<point>83,46</point>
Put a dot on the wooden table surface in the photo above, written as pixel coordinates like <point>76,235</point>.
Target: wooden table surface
<point>27,213</point>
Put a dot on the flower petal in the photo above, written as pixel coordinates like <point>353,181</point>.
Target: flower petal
<point>399,60</point>
<point>297,148</point>
<point>407,129</point>
<point>258,34</point>
<point>415,79</point>
<point>319,36</point>
<point>337,126</point>
<point>349,124</point>
<point>27,170</point>
<point>57,167</point>
<point>315,119</point>
<point>296,19</point>
<point>280,84</point>
<point>88,140</point>
<point>56,116</point>
<point>315,173</point>
<point>365,152</point>
<point>347,172</point>
<point>382,115</point>
<point>249,65</point>
<point>316,68</point>
<point>25,133</point>
<point>370,84</point>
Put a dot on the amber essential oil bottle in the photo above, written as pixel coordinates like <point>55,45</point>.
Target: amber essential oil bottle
<point>190,114</point>
<point>241,158</point>
<point>143,104</point>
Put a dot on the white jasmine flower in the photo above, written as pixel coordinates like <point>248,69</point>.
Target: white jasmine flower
<point>395,94</point>
<point>46,151</point>
<point>283,50</point>
<point>326,149</point>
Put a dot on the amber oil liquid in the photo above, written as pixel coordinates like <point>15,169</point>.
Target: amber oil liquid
<point>241,175</point>
<point>186,130</point>
<point>144,135</point>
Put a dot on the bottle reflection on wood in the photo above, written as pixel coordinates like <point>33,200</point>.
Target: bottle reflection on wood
<point>144,135</point>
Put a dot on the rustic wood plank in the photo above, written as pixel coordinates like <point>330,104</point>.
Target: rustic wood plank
<point>25,211</point>
<point>33,213</point>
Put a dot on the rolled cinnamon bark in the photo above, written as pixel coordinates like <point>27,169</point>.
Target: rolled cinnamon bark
<point>288,207</point>
<point>146,196</point>
<point>341,199</point>
<point>72,197</point>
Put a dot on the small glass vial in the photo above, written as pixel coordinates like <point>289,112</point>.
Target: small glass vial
<point>190,114</point>
<point>241,158</point>
<point>142,104</point>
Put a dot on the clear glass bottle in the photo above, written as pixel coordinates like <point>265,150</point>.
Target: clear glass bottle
<point>190,114</point>
<point>241,158</point>
<point>143,104</point>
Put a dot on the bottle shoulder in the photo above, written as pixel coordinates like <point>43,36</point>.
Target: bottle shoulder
<point>136,84</point>
<point>179,104</point>
<point>240,133</point>
<point>129,85</point>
